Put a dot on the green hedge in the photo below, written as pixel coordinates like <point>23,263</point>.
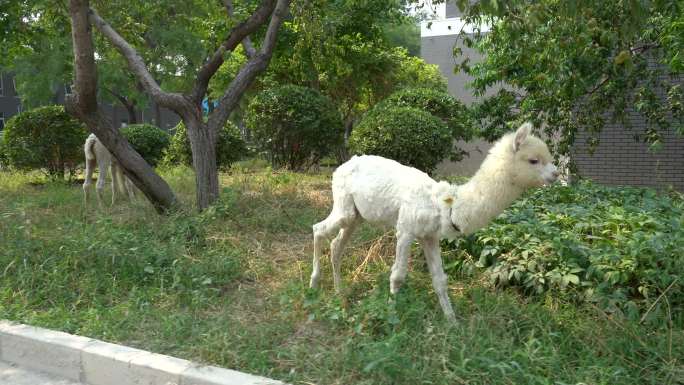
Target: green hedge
<point>295,126</point>
<point>440,104</point>
<point>44,138</point>
<point>408,135</point>
<point>230,147</point>
<point>148,140</point>
<point>618,247</point>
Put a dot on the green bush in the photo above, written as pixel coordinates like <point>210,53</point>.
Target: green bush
<point>148,140</point>
<point>440,104</point>
<point>44,138</point>
<point>618,247</point>
<point>230,147</point>
<point>295,126</point>
<point>408,135</point>
<point>4,163</point>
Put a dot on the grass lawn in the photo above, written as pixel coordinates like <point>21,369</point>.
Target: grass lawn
<point>229,287</point>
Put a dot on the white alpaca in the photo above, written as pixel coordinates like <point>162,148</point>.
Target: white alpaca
<point>385,192</point>
<point>96,152</point>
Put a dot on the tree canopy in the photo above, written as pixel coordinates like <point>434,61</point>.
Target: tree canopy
<point>575,65</point>
<point>180,52</point>
<point>346,49</point>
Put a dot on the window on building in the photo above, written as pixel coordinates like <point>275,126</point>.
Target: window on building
<point>67,89</point>
<point>2,91</point>
<point>19,109</point>
<point>2,121</point>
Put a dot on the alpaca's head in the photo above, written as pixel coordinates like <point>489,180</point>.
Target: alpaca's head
<point>523,157</point>
<point>531,164</point>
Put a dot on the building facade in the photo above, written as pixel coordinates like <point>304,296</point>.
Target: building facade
<point>618,159</point>
<point>10,105</point>
<point>438,38</point>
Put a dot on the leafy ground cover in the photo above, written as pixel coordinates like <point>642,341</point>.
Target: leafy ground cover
<point>617,247</point>
<point>229,287</point>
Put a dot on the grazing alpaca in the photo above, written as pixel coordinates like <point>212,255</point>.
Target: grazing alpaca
<point>385,192</point>
<point>95,152</point>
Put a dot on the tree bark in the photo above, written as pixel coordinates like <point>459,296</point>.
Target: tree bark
<point>83,104</point>
<point>203,146</point>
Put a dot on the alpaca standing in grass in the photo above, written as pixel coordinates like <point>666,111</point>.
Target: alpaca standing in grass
<point>385,192</point>
<point>96,152</point>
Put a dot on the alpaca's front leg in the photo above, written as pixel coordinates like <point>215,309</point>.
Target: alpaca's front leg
<point>400,266</point>
<point>439,278</point>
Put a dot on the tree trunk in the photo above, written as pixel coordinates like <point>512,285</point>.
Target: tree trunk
<point>157,115</point>
<point>203,145</point>
<point>83,104</point>
<point>132,117</point>
<point>342,154</point>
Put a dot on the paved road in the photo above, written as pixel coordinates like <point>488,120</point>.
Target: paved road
<point>11,374</point>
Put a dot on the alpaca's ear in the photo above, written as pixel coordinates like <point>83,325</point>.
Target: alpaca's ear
<point>521,135</point>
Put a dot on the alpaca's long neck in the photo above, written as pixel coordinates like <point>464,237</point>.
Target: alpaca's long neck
<point>488,193</point>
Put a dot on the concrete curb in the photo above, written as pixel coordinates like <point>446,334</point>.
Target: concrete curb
<point>94,362</point>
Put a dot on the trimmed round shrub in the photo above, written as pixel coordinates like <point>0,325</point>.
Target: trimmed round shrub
<point>440,104</point>
<point>295,126</point>
<point>230,147</point>
<point>408,135</point>
<point>148,140</point>
<point>44,138</point>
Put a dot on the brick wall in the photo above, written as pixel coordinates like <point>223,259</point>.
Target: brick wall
<point>619,159</point>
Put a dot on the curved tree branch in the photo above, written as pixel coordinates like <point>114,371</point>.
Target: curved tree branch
<point>237,35</point>
<point>247,41</point>
<point>136,64</point>
<point>256,64</point>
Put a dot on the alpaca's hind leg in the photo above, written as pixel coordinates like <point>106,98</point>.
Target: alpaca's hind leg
<point>400,266</point>
<point>117,181</point>
<point>322,231</point>
<point>88,181</point>
<point>103,168</point>
<point>343,214</point>
<point>439,279</point>
<point>337,248</point>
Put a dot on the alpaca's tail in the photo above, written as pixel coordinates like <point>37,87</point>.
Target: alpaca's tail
<point>89,149</point>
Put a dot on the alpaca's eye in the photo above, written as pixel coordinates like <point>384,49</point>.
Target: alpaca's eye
<point>534,161</point>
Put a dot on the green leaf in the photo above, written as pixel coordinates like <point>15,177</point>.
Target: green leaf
<point>622,57</point>
<point>572,278</point>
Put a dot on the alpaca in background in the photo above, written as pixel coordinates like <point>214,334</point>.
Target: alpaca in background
<point>383,191</point>
<point>97,153</point>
